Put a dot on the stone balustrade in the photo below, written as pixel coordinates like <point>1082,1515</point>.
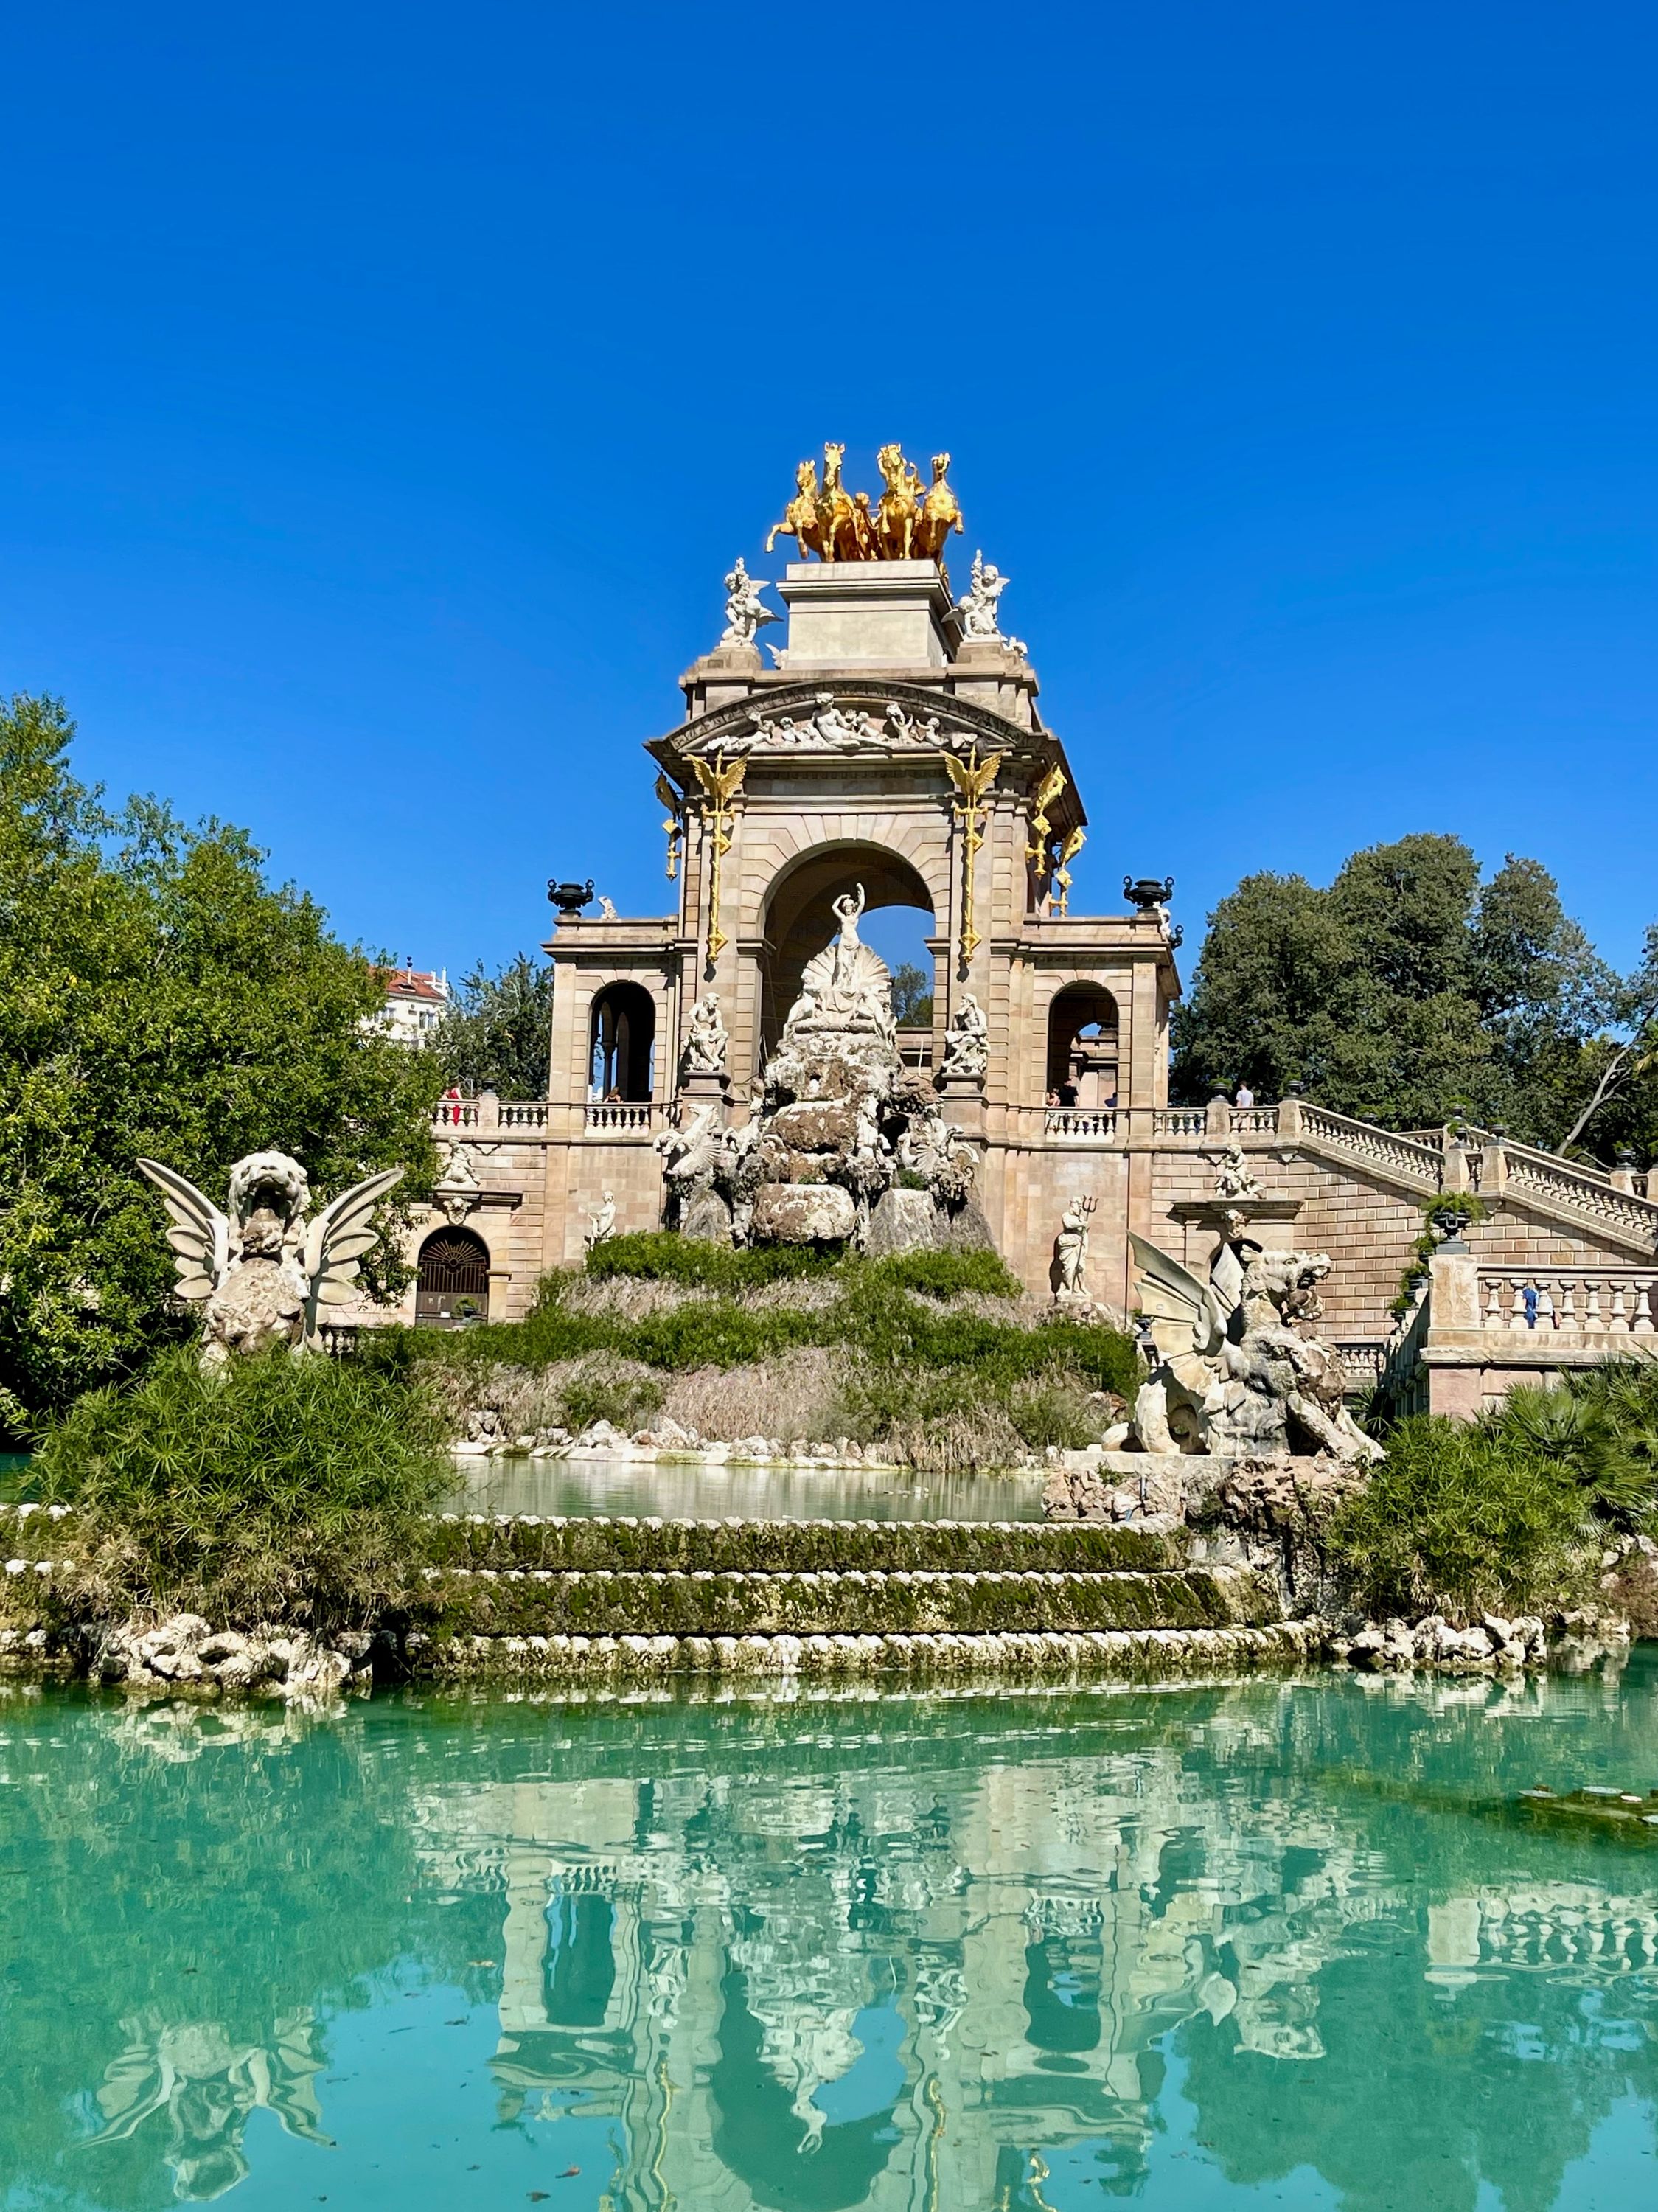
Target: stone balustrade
<point>1578,1301</point>
<point>1404,1157</point>
<point>1363,1360</point>
<point>620,1116</point>
<point>1096,1123</point>
<point>1179,1122</point>
<point>486,1114</point>
<point>1252,1120</point>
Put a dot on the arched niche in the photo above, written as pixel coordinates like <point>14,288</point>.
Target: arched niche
<point>620,1041</point>
<point>1082,1044</point>
<point>800,919</point>
<point>453,1281</point>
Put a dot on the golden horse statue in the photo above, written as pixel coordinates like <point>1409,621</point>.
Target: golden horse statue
<point>895,518</point>
<point>909,522</point>
<point>837,528</point>
<point>940,513</point>
<point>800,516</point>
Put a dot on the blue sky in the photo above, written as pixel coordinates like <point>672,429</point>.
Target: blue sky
<point>385,392</point>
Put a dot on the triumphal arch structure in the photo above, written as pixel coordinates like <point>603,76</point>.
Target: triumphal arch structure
<point>735,1067</point>
<point>895,746</point>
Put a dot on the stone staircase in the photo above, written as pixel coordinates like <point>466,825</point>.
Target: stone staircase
<point>1608,1206</point>
<point>516,1597</point>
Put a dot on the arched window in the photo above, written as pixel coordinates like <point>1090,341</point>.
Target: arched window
<point>454,1282</point>
<point>1082,1046</point>
<point>622,1041</point>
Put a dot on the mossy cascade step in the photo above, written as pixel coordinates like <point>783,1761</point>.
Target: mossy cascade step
<point>744,1546</point>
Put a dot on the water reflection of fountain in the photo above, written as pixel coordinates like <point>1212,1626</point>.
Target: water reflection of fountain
<point>209,2087</point>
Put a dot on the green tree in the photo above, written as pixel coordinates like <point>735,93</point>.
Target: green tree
<point>496,1033</point>
<point>912,996</point>
<point>1405,992</point>
<point>158,996</point>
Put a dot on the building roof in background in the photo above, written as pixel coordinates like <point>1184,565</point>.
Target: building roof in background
<point>431,986</point>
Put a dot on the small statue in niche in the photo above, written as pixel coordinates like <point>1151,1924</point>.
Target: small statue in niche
<point>746,613</point>
<point>967,1041</point>
<point>707,1039</point>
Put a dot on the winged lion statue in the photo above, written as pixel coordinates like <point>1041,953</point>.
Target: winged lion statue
<point>264,1272</point>
<point>1236,1376</point>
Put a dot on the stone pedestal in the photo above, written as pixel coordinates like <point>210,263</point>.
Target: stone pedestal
<point>866,614</point>
<point>703,1090</point>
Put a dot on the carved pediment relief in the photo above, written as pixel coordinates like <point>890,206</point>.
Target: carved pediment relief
<point>866,720</point>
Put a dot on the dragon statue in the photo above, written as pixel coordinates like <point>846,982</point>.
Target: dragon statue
<point>1236,1376</point>
<point>262,1270</point>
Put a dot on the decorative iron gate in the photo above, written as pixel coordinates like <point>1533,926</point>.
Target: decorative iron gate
<point>454,1283</point>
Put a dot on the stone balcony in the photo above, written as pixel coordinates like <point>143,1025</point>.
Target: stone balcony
<point>1477,1330</point>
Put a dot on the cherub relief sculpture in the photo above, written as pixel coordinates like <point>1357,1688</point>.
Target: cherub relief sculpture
<point>910,522</point>
<point>263,1271</point>
<point>1236,1376</point>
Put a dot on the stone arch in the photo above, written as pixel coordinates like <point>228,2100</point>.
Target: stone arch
<point>796,920</point>
<point>451,1282</point>
<point>1082,1042</point>
<point>620,1041</point>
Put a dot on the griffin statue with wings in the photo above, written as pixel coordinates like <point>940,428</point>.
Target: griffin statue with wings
<point>262,1271</point>
<point>1236,1376</point>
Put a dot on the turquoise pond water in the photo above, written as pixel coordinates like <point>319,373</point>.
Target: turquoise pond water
<point>701,1490</point>
<point>1269,1944</point>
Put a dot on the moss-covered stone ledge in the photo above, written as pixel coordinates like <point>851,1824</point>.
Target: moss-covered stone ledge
<point>567,1544</point>
<point>1145,1654</point>
<point>605,1602</point>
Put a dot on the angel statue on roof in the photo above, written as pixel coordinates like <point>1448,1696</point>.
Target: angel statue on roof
<point>262,1271</point>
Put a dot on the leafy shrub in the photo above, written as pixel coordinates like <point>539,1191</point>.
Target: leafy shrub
<point>946,1274</point>
<point>1599,1428</point>
<point>1462,1518</point>
<point>1056,1410</point>
<point>280,1489</point>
